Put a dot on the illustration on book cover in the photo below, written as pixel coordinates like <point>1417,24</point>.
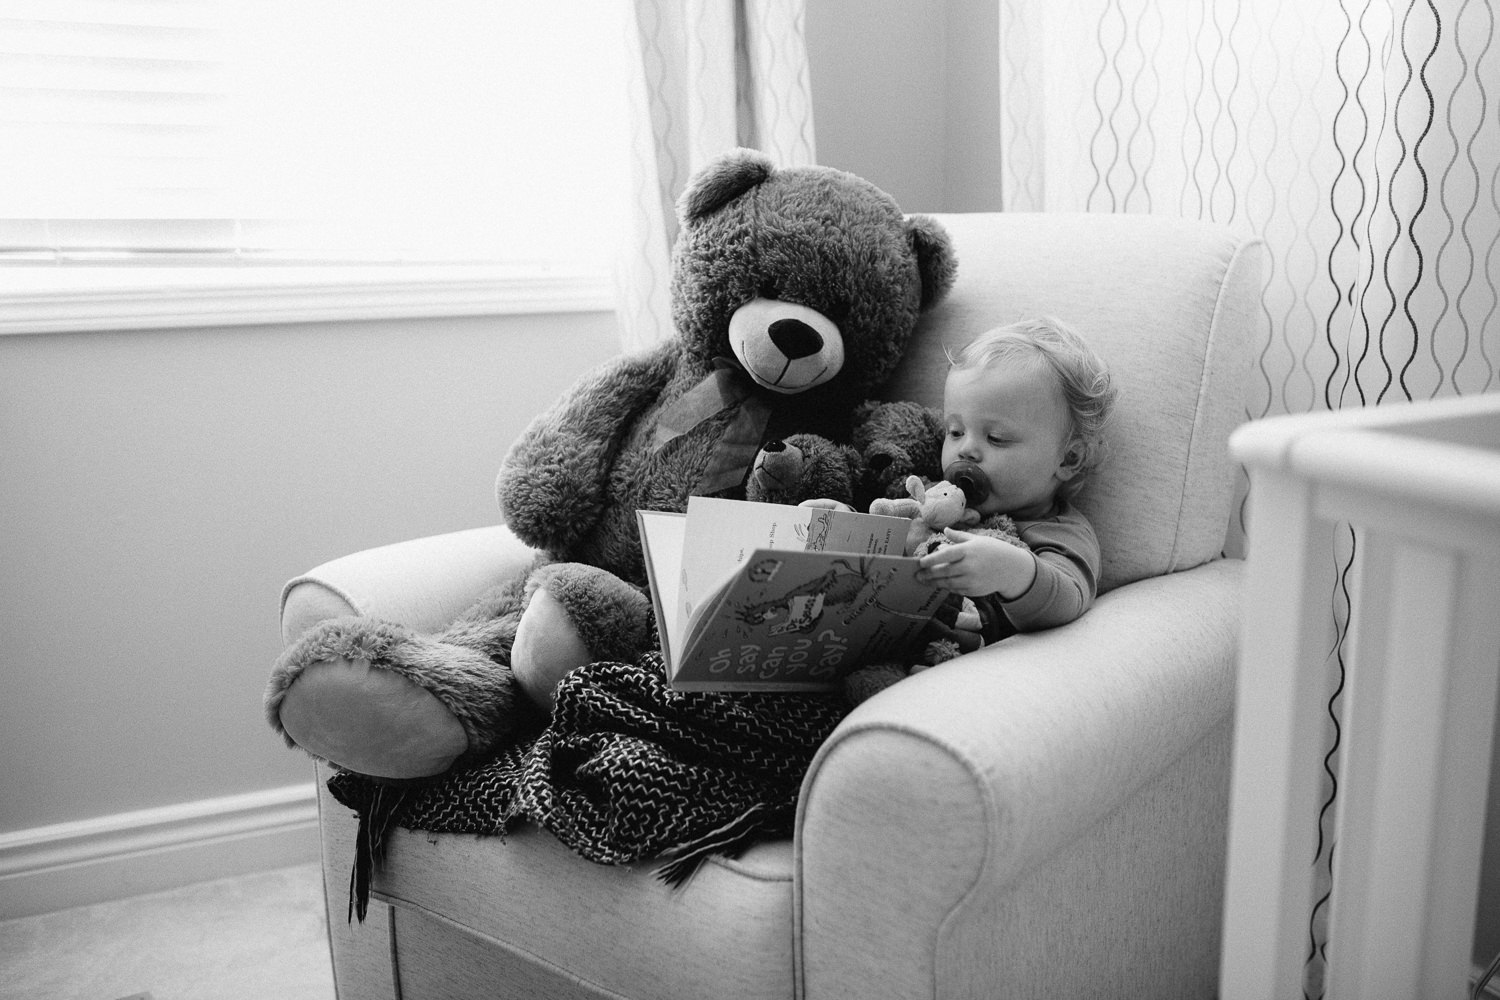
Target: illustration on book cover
<point>801,615</point>
<point>800,608</point>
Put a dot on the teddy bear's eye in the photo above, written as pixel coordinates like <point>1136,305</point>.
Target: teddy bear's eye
<point>768,290</point>
<point>837,311</point>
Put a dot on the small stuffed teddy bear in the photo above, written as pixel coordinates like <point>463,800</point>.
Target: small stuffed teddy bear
<point>895,441</point>
<point>802,467</point>
<point>794,294</point>
<point>891,441</point>
<point>933,507</point>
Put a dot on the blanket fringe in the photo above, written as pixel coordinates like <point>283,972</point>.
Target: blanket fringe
<point>375,815</point>
<point>730,841</point>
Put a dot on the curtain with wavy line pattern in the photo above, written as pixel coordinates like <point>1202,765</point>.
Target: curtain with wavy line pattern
<point>1360,138</point>
<point>703,76</point>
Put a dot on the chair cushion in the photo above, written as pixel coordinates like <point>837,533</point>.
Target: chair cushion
<point>602,931</point>
<point>1172,307</point>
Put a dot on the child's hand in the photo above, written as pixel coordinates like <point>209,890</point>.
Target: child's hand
<point>976,565</point>
<point>827,504</point>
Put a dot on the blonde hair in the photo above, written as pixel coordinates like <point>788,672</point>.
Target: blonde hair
<point>1081,374</point>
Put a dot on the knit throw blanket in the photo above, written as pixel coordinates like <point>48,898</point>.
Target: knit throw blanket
<point>627,769</point>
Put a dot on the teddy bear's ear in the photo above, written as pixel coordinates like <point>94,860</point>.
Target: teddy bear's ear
<point>721,181</point>
<point>936,262</point>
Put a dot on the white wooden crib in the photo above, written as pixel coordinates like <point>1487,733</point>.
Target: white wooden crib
<point>1420,483</point>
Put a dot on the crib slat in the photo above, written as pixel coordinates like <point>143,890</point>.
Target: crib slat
<point>1390,784</point>
<point>1278,733</point>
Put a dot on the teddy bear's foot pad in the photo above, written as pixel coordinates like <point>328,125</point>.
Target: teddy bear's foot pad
<point>372,721</point>
<point>384,701</point>
<point>576,614</point>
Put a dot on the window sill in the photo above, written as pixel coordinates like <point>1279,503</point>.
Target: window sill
<point>62,299</point>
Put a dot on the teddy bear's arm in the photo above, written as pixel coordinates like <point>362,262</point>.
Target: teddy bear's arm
<point>552,484</point>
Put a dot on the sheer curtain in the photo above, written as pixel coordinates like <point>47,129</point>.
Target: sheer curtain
<point>1359,138</point>
<point>701,78</point>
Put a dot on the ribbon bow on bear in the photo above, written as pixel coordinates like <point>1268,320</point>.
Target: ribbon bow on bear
<point>726,386</point>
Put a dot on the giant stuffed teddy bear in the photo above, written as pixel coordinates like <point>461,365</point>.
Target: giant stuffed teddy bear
<point>794,293</point>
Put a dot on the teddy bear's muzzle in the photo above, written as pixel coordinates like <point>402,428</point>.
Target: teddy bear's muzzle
<point>786,347</point>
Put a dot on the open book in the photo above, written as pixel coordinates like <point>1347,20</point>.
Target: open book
<point>768,597</point>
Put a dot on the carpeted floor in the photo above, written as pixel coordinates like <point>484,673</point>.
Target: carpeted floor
<point>247,938</point>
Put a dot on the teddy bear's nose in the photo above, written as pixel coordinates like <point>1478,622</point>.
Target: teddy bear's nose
<point>795,338</point>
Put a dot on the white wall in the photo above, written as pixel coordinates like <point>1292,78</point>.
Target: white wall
<point>158,487</point>
<point>907,96</point>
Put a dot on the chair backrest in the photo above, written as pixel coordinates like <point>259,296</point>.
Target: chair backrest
<point>1172,306</point>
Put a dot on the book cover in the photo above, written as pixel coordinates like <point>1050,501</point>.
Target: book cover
<point>770,597</point>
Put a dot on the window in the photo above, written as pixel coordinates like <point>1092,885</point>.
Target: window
<point>184,132</point>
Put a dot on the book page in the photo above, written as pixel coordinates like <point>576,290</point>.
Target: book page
<point>662,536</point>
<point>721,535</point>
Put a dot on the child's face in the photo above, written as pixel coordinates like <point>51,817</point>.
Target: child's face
<point>1012,421</point>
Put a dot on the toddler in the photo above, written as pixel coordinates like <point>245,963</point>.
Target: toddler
<point>1025,407</point>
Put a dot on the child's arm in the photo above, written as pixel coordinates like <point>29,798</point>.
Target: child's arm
<point>1067,578</point>
<point>1064,560</point>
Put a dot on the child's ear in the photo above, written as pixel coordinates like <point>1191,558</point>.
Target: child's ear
<point>1072,461</point>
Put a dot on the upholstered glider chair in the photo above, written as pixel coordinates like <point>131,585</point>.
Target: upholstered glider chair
<point>1044,817</point>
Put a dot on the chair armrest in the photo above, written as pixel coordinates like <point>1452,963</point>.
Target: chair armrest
<point>954,783</point>
<point>423,583</point>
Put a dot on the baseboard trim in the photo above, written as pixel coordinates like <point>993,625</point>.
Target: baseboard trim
<point>126,854</point>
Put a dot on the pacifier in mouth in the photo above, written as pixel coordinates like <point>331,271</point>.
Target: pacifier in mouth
<point>971,479</point>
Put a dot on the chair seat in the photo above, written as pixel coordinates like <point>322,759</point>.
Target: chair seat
<point>729,929</point>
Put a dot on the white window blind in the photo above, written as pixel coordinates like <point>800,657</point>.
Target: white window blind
<point>297,130</point>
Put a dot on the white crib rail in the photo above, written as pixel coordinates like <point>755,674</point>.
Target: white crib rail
<point>1421,484</point>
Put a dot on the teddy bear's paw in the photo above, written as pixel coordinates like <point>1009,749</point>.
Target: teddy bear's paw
<point>386,702</point>
<point>866,682</point>
<point>576,614</point>
<point>938,651</point>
